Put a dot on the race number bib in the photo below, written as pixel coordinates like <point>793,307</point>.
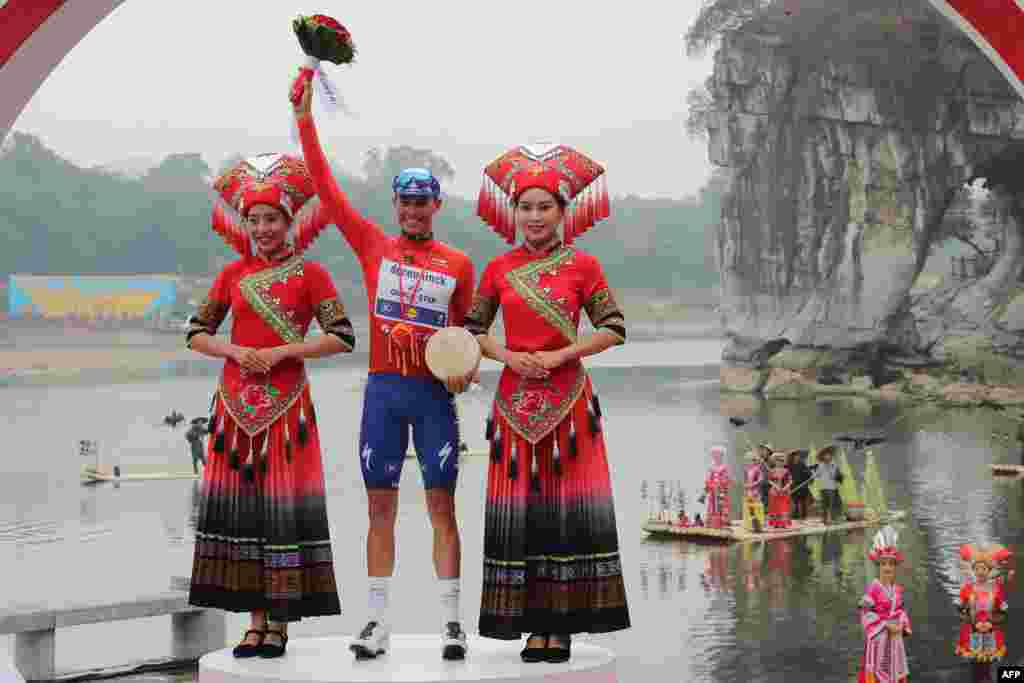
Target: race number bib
<point>433,292</point>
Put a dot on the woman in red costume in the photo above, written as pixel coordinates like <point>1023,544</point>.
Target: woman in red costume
<point>262,539</point>
<point>884,617</point>
<point>780,483</point>
<point>716,491</point>
<point>982,606</point>
<point>551,551</point>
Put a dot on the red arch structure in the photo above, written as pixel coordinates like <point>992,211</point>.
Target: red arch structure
<point>37,34</point>
<point>997,28</point>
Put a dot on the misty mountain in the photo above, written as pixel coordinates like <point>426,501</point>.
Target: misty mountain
<point>58,218</point>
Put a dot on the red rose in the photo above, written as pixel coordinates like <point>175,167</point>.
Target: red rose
<point>531,402</point>
<point>329,22</point>
<point>256,396</point>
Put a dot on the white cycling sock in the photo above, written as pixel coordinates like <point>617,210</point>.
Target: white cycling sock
<point>449,600</point>
<point>380,587</point>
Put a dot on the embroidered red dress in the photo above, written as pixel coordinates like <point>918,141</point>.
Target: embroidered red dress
<point>551,552</point>
<point>780,482</point>
<point>262,537</point>
<point>979,603</point>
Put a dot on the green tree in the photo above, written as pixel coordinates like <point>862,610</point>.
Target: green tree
<point>381,165</point>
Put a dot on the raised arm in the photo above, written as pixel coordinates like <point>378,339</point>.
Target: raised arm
<point>360,233</point>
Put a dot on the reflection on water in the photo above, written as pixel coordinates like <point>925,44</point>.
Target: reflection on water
<point>766,611</point>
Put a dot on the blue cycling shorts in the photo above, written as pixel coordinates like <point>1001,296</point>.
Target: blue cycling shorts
<point>394,403</point>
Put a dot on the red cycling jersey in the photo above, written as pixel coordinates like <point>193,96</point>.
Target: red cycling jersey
<point>413,287</point>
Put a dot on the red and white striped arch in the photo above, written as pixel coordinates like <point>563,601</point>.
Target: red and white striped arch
<point>35,35</point>
<point>997,28</point>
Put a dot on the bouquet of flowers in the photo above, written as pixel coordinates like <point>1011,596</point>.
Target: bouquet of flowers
<point>324,39</point>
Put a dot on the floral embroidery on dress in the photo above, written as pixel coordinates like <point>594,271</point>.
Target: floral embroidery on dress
<point>533,404</point>
<point>255,397</point>
<point>256,290</point>
<point>536,407</point>
<point>526,281</point>
<point>257,405</point>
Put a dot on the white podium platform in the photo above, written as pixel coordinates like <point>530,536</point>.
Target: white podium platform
<point>411,659</point>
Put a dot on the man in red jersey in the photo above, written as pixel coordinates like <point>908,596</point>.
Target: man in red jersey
<point>415,285</point>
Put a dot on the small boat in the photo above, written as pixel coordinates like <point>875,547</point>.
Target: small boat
<point>1003,469</point>
<point>94,473</point>
<point>736,533</point>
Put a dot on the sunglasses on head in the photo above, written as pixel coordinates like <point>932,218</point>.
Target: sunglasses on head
<point>416,182</point>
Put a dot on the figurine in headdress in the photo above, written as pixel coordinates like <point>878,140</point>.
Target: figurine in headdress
<point>716,491</point>
<point>884,616</point>
<point>982,606</point>
<point>753,507</point>
<point>262,538</point>
<point>780,483</point>
<point>549,460</point>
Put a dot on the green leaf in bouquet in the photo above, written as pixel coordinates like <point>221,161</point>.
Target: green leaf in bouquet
<point>330,47</point>
<point>302,32</point>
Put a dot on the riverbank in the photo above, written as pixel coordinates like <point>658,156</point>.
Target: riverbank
<point>948,385</point>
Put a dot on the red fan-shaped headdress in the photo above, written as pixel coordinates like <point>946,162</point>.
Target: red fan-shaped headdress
<point>278,180</point>
<point>558,169</point>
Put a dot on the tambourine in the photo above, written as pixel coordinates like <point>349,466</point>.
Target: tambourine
<point>452,352</point>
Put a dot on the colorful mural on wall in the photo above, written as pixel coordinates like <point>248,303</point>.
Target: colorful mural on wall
<point>90,297</point>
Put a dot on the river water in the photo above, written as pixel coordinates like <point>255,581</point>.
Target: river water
<point>773,612</point>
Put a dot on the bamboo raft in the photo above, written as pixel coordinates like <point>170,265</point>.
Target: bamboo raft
<point>156,472</point>
<point>737,534</point>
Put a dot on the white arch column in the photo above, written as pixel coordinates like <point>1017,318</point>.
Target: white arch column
<point>44,48</point>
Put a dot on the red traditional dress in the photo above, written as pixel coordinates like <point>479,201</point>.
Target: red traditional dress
<point>716,489</point>
<point>262,537</point>
<point>982,601</point>
<point>551,551</point>
<point>780,482</point>
<point>885,656</point>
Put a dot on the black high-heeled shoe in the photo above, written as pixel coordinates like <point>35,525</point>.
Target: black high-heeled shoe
<point>532,655</point>
<point>245,649</point>
<point>272,650</point>
<point>561,653</point>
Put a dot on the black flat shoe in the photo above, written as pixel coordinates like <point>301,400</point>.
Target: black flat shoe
<point>244,649</point>
<point>272,650</point>
<point>532,655</point>
<point>560,654</point>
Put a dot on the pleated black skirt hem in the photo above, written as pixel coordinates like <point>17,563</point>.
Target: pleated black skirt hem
<point>513,628</point>
<point>294,610</point>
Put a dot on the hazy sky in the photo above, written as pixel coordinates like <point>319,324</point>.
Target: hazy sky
<point>466,79</point>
